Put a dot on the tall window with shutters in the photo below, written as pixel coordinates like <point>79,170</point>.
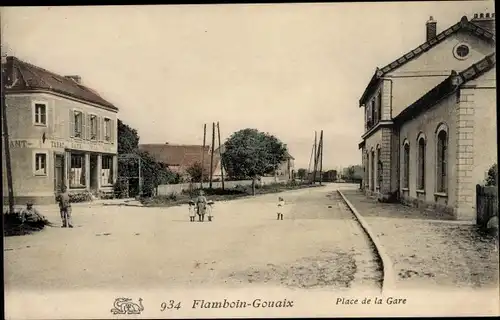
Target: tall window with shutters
<point>442,161</point>
<point>93,120</point>
<point>108,130</point>
<point>77,124</point>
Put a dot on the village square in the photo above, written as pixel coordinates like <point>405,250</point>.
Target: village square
<point>99,195</point>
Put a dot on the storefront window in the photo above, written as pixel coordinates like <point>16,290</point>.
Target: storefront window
<point>77,171</point>
<point>107,171</point>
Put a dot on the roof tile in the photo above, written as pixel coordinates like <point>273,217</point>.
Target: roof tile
<point>31,77</point>
<point>182,156</point>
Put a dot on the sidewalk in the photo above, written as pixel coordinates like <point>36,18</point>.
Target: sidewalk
<point>426,249</point>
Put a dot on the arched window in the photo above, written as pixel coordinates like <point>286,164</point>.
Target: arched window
<point>406,164</point>
<point>442,161</point>
<point>379,168</point>
<point>421,162</point>
<point>372,170</point>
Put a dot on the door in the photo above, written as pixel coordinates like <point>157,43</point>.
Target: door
<point>58,172</point>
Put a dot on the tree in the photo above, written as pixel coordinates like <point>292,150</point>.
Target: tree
<point>250,153</point>
<point>128,138</point>
<point>195,171</point>
<point>491,179</point>
<point>302,173</point>
<point>350,173</point>
<point>153,173</point>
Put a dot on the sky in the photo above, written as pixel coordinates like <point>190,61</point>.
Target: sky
<point>286,69</point>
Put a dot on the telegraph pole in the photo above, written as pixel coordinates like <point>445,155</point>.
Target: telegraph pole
<point>212,155</point>
<point>321,158</point>
<point>203,154</point>
<point>6,143</point>
<point>315,157</point>
<point>310,162</point>
<point>220,155</point>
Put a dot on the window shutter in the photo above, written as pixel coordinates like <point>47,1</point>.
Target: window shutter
<point>88,125</point>
<point>112,133</point>
<point>84,125</point>
<point>102,128</point>
<point>98,128</point>
<point>71,123</point>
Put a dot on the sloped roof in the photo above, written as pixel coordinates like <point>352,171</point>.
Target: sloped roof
<point>182,156</point>
<point>446,88</point>
<point>26,76</point>
<point>463,24</point>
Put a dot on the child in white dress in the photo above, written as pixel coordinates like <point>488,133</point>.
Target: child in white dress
<point>281,208</point>
<point>192,210</point>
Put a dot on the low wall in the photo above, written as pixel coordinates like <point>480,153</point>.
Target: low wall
<point>168,189</point>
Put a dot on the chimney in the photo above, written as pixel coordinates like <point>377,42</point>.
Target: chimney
<point>431,29</point>
<point>485,21</point>
<point>77,79</point>
<point>10,71</point>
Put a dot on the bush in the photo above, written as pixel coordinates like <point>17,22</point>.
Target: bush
<point>80,197</point>
<point>491,179</point>
<point>120,189</point>
<point>14,227</point>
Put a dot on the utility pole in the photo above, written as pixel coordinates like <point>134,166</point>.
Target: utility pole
<point>212,154</point>
<point>203,154</point>
<point>220,155</point>
<point>315,157</point>
<point>321,158</point>
<point>310,162</point>
<point>6,144</point>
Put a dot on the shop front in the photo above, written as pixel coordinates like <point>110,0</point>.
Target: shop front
<point>40,168</point>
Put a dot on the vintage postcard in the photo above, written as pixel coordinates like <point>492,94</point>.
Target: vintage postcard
<point>250,160</point>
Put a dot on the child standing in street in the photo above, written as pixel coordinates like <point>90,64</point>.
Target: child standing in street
<point>65,207</point>
<point>192,210</point>
<point>281,208</point>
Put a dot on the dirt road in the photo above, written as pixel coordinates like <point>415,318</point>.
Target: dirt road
<point>317,245</point>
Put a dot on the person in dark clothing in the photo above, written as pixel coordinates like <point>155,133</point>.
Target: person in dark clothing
<point>65,207</point>
<point>201,206</point>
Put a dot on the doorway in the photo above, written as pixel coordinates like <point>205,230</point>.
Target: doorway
<point>94,174</point>
<point>58,172</point>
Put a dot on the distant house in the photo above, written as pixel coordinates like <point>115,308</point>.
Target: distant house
<point>179,158</point>
<point>286,170</point>
<point>330,175</point>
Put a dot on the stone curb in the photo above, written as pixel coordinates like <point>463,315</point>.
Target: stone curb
<point>388,282</point>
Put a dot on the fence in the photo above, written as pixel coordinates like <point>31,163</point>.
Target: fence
<point>168,189</point>
<point>486,204</point>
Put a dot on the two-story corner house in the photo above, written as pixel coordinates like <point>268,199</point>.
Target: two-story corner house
<point>60,133</point>
<point>286,169</point>
<point>430,119</point>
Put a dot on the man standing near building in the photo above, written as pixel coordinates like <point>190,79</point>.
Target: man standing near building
<point>64,207</point>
